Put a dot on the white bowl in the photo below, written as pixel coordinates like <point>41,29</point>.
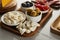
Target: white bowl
<point>2,19</point>
<point>34,19</point>
<point>45,11</point>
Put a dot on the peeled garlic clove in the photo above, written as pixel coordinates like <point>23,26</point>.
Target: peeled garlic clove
<point>22,31</point>
<point>24,26</point>
<point>28,24</point>
<point>33,28</point>
<point>20,25</point>
<point>28,31</point>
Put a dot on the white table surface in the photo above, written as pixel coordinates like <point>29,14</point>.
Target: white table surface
<point>44,33</point>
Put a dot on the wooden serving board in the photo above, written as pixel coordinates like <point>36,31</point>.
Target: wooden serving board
<point>44,19</point>
<point>54,27</point>
<point>7,9</point>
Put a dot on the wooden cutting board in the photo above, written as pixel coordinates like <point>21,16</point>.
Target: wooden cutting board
<point>44,19</point>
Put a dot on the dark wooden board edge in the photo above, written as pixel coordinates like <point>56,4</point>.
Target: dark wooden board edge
<point>42,22</point>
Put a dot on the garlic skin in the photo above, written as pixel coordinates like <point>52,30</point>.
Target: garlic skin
<point>22,30</point>
<point>27,27</point>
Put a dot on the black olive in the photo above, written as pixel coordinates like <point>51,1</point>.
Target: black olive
<point>31,4</point>
<point>23,4</point>
<point>28,4</point>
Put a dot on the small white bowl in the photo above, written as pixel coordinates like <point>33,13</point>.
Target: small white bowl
<point>34,19</point>
<point>45,11</point>
<point>2,19</point>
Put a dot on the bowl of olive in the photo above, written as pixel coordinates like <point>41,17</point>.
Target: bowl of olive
<point>26,5</point>
<point>34,15</point>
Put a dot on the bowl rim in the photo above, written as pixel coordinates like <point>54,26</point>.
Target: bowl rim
<point>45,11</point>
